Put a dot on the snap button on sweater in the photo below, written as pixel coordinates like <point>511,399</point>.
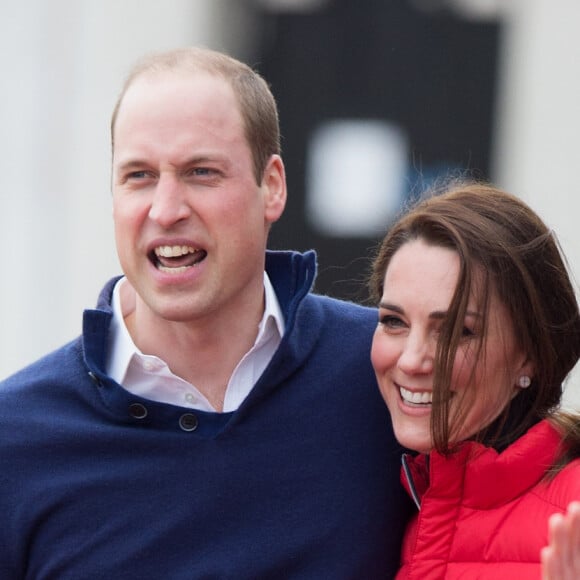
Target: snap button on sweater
<point>188,422</point>
<point>137,411</point>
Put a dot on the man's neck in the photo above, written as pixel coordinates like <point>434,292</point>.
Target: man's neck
<point>202,352</point>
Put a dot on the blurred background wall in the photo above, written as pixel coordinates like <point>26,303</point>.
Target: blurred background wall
<point>376,99</point>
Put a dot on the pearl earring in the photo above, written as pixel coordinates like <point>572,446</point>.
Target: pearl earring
<point>524,382</point>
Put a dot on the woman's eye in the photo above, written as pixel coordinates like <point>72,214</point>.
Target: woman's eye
<point>390,321</point>
<point>467,332</point>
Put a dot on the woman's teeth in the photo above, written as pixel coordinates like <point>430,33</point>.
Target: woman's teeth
<point>418,398</point>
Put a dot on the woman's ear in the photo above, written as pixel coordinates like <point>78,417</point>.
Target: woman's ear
<point>524,375</point>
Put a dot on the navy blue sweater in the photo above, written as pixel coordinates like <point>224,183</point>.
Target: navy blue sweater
<point>302,481</point>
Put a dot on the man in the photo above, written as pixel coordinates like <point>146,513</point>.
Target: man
<point>215,419</point>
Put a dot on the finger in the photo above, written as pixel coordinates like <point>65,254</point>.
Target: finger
<point>547,561</point>
<point>557,555</point>
<point>574,517</point>
<point>573,520</point>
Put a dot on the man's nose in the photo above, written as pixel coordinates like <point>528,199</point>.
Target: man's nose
<point>170,201</point>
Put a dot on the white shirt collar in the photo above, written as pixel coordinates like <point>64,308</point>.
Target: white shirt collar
<point>124,356</point>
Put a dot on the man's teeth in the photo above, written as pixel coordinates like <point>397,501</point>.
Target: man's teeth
<point>174,251</point>
<point>173,259</point>
<point>169,270</point>
<point>423,397</point>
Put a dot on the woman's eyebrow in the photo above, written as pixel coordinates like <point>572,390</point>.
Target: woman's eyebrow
<point>436,314</point>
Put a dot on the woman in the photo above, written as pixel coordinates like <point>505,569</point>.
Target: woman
<point>478,328</point>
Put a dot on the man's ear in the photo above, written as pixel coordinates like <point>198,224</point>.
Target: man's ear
<point>274,189</point>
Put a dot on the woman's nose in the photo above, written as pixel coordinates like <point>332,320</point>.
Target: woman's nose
<point>418,355</point>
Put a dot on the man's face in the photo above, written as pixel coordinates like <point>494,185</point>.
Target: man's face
<point>190,221</point>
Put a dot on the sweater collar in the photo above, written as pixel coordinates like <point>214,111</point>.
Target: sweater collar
<point>292,276</point>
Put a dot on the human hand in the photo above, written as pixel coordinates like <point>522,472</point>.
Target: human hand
<point>561,558</point>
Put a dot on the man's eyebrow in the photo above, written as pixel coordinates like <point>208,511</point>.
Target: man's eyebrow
<point>131,164</point>
<point>194,159</point>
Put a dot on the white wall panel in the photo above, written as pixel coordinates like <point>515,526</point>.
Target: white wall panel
<point>62,66</point>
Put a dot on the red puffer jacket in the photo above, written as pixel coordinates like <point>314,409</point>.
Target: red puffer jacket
<point>485,514</point>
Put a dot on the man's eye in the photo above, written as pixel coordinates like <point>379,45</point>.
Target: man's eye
<point>137,175</point>
<point>204,172</point>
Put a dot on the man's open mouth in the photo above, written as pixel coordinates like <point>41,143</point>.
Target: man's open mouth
<point>176,259</point>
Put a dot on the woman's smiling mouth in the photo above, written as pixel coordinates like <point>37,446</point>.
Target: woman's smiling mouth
<point>416,397</point>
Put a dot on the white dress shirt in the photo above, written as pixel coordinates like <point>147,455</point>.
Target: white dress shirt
<point>149,377</point>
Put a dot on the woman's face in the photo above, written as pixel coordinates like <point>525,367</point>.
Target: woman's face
<point>418,287</point>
